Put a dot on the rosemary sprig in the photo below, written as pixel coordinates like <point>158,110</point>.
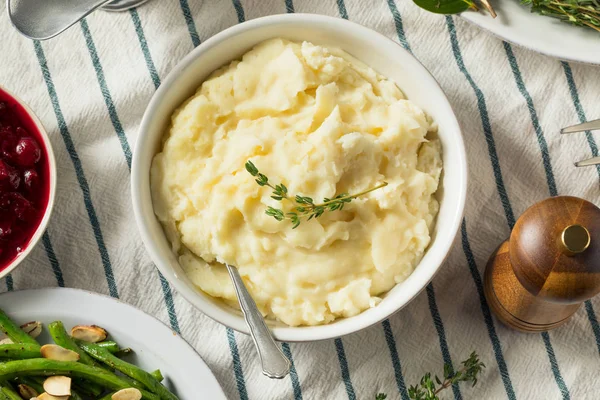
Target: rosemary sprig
<point>427,389</point>
<point>304,207</point>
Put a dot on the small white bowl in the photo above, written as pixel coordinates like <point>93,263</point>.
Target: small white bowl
<point>47,151</point>
<point>377,51</point>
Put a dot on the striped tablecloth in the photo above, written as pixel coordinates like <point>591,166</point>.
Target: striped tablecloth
<point>90,87</point>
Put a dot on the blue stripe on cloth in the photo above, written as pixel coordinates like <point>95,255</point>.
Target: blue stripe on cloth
<point>589,309</point>
<point>53,260</point>
<point>189,20</point>
<point>339,347</point>
<point>485,121</point>
<point>482,107</point>
<point>399,26</point>
<point>510,216</point>
<point>342,9</point>
<point>237,365</point>
<point>167,294</point>
<point>289,6</point>
<point>293,373</point>
<point>487,316</point>
<point>534,119</point>
<point>9,283</point>
<point>83,183</point>
<point>555,369</point>
<point>239,10</point>
<point>551,185</point>
<point>594,148</point>
<point>139,30</point>
<point>433,308</point>
<point>112,110</point>
<point>391,342</point>
<point>439,327</point>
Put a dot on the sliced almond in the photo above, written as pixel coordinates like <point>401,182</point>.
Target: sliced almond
<point>89,333</point>
<point>33,328</point>
<point>127,394</point>
<point>27,392</point>
<point>57,353</point>
<point>48,396</point>
<point>6,341</point>
<point>58,386</point>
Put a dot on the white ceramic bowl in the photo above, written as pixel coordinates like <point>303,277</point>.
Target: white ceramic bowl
<point>377,51</point>
<point>47,149</point>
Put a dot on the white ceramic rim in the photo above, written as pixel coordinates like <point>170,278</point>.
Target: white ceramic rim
<point>141,197</point>
<point>547,51</point>
<point>51,196</point>
<point>158,329</point>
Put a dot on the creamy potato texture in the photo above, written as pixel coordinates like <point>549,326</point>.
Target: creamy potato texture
<point>322,123</point>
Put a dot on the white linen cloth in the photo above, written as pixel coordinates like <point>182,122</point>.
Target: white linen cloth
<point>90,87</point>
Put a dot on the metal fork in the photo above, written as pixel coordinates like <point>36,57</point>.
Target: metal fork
<point>586,126</point>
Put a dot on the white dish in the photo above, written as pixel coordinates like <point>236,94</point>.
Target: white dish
<point>516,24</point>
<point>52,191</point>
<point>377,51</point>
<point>155,345</point>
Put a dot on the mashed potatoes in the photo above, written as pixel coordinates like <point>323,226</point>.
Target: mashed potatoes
<point>322,123</point>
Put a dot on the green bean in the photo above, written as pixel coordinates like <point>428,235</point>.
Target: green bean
<point>123,352</point>
<point>109,345</point>
<point>9,392</point>
<point>32,383</point>
<point>61,337</point>
<point>87,389</point>
<point>45,367</point>
<point>108,396</point>
<point>14,332</point>
<point>157,375</point>
<point>128,369</point>
<point>75,395</point>
<point>19,351</point>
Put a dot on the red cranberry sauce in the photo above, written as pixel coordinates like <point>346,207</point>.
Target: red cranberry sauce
<point>24,179</point>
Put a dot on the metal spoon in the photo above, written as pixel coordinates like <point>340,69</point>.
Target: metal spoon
<point>275,364</point>
<point>42,20</point>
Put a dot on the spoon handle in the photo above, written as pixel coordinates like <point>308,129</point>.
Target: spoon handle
<point>275,364</point>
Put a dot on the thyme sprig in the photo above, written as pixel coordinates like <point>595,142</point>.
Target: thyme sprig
<point>304,206</point>
<point>427,389</point>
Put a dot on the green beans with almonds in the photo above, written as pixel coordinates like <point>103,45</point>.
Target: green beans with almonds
<point>61,337</point>
<point>45,367</point>
<point>14,332</point>
<point>128,369</point>
<point>19,351</point>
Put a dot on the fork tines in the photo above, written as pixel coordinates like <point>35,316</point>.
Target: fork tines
<point>586,126</point>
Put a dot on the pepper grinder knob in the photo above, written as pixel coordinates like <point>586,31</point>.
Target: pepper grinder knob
<point>538,279</point>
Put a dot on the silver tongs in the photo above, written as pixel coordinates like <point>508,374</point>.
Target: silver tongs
<point>586,126</point>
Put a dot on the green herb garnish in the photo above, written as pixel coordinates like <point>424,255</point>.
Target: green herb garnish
<point>576,12</point>
<point>427,389</point>
<point>304,207</point>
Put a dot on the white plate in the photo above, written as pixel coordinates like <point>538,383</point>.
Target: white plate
<point>155,345</point>
<point>516,24</point>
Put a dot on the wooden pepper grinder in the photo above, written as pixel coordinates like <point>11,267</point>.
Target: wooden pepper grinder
<point>536,280</point>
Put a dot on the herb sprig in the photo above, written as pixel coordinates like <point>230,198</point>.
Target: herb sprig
<point>428,389</point>
<point>576,12</point>
<point>304,207</point>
